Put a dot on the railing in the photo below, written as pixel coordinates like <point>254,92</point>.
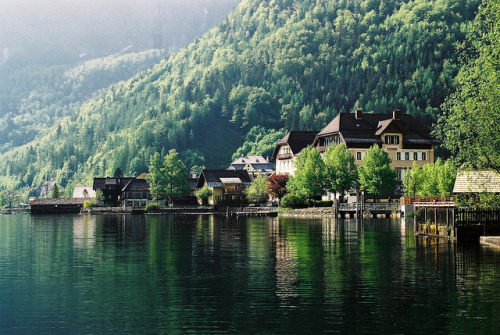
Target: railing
<point>234,191</point>
<point>428,201</point>
<point>475,217</point>
<point>370,206</point>
<point>285,156</point>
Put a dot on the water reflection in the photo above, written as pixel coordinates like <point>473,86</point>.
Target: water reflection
<point>206,274</point>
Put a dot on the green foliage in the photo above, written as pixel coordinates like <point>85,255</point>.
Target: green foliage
<point>309,178</point>
<point>88,204</point>
<point>204,193</point>
<point>412,180</point>
<point>56,192</point>
<point>99,198</point>
<point>169,177</point>
<point>156,177</point>
<point>9,197</point>
<point>152,206</point>
<point>293,201</point>
<point>469,126</point>
<point>278,64</point>
<point>257,191</point>
<point>376,175</point>
<point>341,169</point>
<point>259,141</point>
<point>431,180</point>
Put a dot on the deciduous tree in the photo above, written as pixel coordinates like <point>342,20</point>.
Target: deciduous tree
<point>376,176</point>
<point>341,170</point>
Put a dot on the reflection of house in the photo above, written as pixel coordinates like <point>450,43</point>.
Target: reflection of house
<point>289,147</point>
<point>477,182</point>
<point>401,135</point>
<point>83,192</point>
<point>252,164</point>
<point>228,186</point>
<point>130,192</point>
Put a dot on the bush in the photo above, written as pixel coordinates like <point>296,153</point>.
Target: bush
<point>293,201</point>
<point>152,206</point>
<point>321,203</point>
<point>88,204</point>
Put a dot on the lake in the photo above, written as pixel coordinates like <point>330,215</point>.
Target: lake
<point>155,274</point>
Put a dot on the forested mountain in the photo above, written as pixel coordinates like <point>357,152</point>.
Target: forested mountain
<point>32,99</point>
<point>56,54</point>
<point>271,64</point>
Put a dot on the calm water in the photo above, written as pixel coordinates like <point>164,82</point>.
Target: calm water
<point>177,275</point>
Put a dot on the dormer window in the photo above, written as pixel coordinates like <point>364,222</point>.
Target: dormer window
<point>392,139</point>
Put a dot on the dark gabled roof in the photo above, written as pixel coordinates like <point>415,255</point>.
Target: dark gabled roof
<point>297,140</point>
<point>136,185</point>
<point>369,127</point>
<point>192,183</point>
<point>132,184</point>
<point>213,177</point>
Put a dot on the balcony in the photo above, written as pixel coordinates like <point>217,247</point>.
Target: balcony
<point>234,191</point>
<point>284,156</point>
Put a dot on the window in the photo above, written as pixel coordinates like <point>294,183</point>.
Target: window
<point>358,155</point>
<point>424,156</point>
<point>398,156</point>
<point>407,156</point>
<point>415,156</point>
<point>391,139</point>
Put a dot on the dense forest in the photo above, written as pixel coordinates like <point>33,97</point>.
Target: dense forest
<point>269,66</point>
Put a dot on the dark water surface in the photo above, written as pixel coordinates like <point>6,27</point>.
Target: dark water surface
<point>193,274</point>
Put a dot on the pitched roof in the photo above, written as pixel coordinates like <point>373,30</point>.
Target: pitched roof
<point>477,182</point>
<point>297,140</point>
<point>136,185</point>
<point>216,178</point>
<point>369,127</point>
<point>243,160</point>
<point>124,184</point>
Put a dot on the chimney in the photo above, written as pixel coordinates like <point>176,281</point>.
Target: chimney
<point>358,113</point>
<point>396,114</point>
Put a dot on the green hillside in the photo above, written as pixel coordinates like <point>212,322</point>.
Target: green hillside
<point>271,65</point>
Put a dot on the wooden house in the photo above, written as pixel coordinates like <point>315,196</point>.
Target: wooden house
<point>228,186</point>
<point>126,192</point>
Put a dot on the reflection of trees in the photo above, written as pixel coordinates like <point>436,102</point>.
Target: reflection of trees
<point>213,274</point>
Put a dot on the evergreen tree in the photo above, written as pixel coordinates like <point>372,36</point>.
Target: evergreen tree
<point>56,192</point>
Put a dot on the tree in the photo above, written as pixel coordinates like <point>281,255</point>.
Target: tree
<point>412,180</point>
<point>468,126</point>
<point>8,197</point>
<point>447,173</point>
<point>376,176</point>
<point>100,198</point>
<point>156,177</point>
<point>118,173</point>
<point>257,191</point>
<point>203,194</point>
<point>277,185</point>
<point>341,169</point>
<point>56,192</point>
<point>309,178</point>
<point>176,174</point>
